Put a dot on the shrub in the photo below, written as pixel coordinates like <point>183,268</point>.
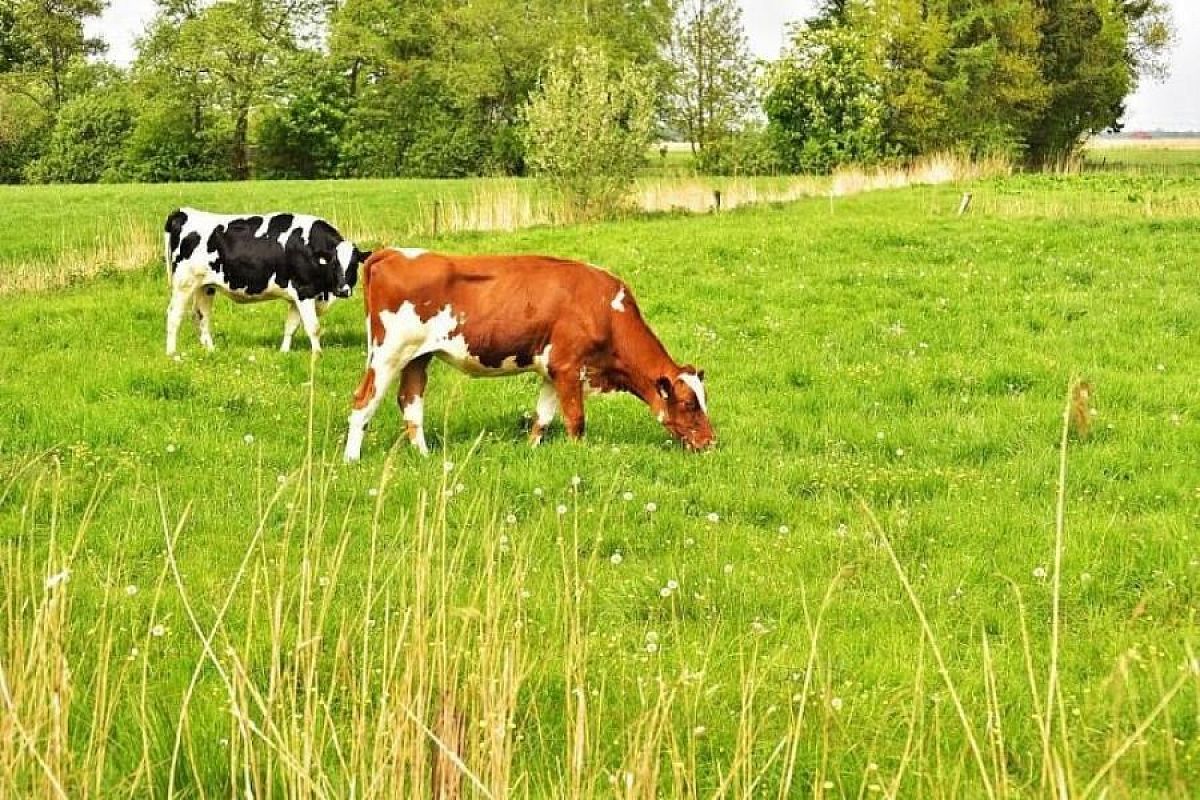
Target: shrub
<point>588,130</point>
<point>88,139</point>
<point>824,108</point>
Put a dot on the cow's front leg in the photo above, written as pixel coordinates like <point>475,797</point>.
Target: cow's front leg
<point>387,361</point>
<point>175,313</point>
<point>569,385</point>
<point>370,394</point>
<point>203,311</point>
<point>412,401</point>
<point>289,328</point>
<point>312,323</point>
<point>547,408</point>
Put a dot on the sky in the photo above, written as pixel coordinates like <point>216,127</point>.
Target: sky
<point>1170,105</point>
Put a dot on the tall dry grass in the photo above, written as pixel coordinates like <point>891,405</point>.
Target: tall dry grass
<point>126,245</point>
<point>423,681</point>
<point>508,205</point>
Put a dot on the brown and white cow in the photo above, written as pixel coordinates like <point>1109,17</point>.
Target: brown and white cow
<point>575,325</point>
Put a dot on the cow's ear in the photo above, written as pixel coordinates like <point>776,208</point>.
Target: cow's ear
<point>362,255</point>
<point>700,375</point>
<point>663,384</point>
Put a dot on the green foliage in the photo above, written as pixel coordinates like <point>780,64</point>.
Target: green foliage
<point>713,72</point>
<point>299,134</point>
<point>824,107</point>
<point>589,129</point>
<point>88,141</point>
<point>1015,77</point>
<point>746,152</point>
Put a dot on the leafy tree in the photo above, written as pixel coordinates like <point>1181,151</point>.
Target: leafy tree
<point>713,71</point>
<point>299,133</point>
<point>87,143</point>
<point>46,40</point>
<point>1092,53</point>
<point>589,128</point>
<point>823,106</point>
<point>13,44</point>
<point>225,57</point>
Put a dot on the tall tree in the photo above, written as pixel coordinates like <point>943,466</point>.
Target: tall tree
<point>713,71</point>
<point>228,55</point>
<point>52,42</point>
<point>1093,53</point>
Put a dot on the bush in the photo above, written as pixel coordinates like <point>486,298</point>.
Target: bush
<point>824,108</point>
<point>588,130</point>
<point>747,152</point>
<point>172,140</point>
<point>88,139</point>
<point>298,136</point>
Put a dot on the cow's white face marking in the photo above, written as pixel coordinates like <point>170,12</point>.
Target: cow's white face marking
<point>345,254</point>
<point>697,386</point>
<point>410,252</point>
<point>618,302</point>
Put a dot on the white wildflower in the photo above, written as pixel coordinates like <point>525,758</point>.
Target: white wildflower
<point>54,580</point>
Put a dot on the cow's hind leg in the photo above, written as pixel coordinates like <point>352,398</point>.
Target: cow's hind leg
<point>412,401</point>
<point>203,301</point>
<point>175,313</point>
<point>289,328</point>
<point>547,408</point>
<point>569,386</point>
<point>312,322</point>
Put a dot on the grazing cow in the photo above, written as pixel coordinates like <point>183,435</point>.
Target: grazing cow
<point>253,257</point>
<point>575,325</point>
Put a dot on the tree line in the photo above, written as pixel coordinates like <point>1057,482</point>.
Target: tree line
<point>238,89</point>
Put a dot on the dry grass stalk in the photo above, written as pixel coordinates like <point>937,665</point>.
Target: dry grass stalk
<point>1081,412</point>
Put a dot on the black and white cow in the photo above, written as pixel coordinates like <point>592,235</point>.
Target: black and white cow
<point>254,257</point>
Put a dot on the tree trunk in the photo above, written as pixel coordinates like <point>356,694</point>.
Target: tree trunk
<point>240,158</point>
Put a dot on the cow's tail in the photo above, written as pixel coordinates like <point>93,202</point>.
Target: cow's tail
<point>172,234</point>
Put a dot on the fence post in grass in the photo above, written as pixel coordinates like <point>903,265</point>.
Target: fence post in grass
<point>965,205</point>
<point>449,751</point>
<point>717,199</point>
<point>437,214</point>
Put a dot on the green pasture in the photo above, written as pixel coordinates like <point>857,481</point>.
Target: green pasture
<point>876,352</point>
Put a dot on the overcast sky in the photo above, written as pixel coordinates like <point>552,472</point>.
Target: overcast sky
<point>1171,105</point>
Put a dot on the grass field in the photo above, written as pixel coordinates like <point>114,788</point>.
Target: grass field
<point>200,600</point>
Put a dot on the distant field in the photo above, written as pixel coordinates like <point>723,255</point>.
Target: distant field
<point>1144,156</point>
<point>198,599</point>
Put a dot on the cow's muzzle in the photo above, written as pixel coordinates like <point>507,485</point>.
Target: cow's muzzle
<point>343,292</point>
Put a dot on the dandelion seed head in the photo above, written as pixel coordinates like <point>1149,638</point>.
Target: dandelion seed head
<point>714,518</point>
<point>616,558</point>
<point>651,507</point>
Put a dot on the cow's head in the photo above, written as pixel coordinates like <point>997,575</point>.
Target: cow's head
<point>348,258</point>
<point>685,408</point>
